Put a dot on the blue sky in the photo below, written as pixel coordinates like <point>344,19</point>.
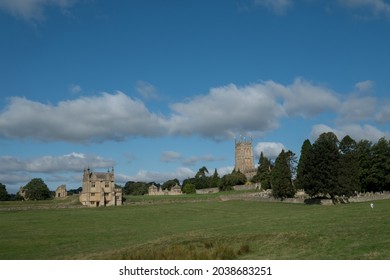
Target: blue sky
<point>158,89</point>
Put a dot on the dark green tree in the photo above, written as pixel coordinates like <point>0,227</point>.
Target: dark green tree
<point>304,165</point>
<point>364,155</point>
<point>379,175</point>
<point>215,179</point>
<point>323,172</point>
<point>349,169</point>
<point>36,189</point>
<point>135,188</point>
<point>281,180</point>
<point>228,181</point>
<point>189,188</point>
<point>3,193</point>
<point>263,174</point>
<point>170,183</point>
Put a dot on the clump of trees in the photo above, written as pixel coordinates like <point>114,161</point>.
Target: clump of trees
<point>36,189</point>
<point>336,168</point>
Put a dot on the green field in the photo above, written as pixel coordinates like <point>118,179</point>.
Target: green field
<point>194,227</point>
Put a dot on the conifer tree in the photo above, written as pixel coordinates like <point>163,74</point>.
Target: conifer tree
<point>324,161</point>
<point>304,165</point>
<point>263,174</point>
<point>282,186</point>
<point>349,169</point>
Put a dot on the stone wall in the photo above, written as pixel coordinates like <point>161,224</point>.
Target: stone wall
<point>206,191</point>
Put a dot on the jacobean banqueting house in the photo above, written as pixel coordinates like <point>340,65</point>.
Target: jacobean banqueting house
<point>99,189</point>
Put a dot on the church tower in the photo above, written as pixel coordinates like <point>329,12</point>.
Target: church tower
<point>244,159</point>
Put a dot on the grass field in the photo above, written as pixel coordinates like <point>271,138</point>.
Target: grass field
<point>193,228</point>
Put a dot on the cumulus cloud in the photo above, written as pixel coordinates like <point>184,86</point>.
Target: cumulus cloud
<point>97,118</point>
<point>356,108</point>
<point>220,114</point>
<point>73,162</point>
<point>75,89</point>
<point>32,9</point>
<point>227,111</point>
<point>270,149</point>
<point>383,116</point>
<point>277,6</point>
<point>356,131</point>
<point>304,99</point>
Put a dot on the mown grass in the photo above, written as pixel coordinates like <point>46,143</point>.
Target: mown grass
<point>208,229</point>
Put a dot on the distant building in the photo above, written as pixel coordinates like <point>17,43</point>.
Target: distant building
<point>244,159</point>
<point>61,192</point>
<point>99,189</point>
<point>154,190</point>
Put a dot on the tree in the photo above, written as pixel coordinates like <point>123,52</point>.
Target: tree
<point>324,165</point>
<point>170,183</point>
<point>349,169</point>
<point>379,175</point>
<point>215,180</point>
<point>3,193</point>
<point>228,181</point>
<point>189,188</point>
<point>304,165</point>
<point>36,189</point>
<point>135,188</point>
<point>263,174</point>
<point>364,155</point>
<point>202,172</point>
<point>282,186</point>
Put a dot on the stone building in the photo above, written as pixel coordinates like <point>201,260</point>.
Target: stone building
<point>154,190</point>
<point>99,189</point>
<point>61,192</point>
<point>244,159</point>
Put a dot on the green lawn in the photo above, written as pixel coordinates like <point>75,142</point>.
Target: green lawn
<point>192,229</point>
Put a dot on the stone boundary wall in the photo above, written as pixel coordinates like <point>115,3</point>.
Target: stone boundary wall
<point>246,187</point>
<point>206,191</point>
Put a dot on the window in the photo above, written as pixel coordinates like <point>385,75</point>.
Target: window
<point>93,184</point>
<point>92,194</point>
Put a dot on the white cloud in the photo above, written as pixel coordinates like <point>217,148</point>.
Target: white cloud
<point>227,111</point>
<point>270,149</point>
<point>307,100</point>
<point>365,85</point>
<point>377,7</point>
<point>32,9</point>
<point>146,90</point>
<point>277,6</point>
<point>97,118</point>
<point>73,162</point>
<point>383,116</point>
<point>355,131</point>
<point>356,108</point>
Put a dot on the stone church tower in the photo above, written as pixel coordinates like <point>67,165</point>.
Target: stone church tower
<point>244,159</point>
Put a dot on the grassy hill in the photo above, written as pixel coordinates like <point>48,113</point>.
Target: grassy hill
<point>157,228</point>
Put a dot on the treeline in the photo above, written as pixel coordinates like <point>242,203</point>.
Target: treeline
<point>343,168</point>
<point>328,168</point>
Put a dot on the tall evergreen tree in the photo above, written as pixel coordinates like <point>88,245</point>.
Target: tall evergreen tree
<point>349,169</point>
<point>323,174</point>
<point>379,178</point>
<point>282,186</point>
<point>302,181</point>
<point>263,174</point>
<point>364,155</point>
